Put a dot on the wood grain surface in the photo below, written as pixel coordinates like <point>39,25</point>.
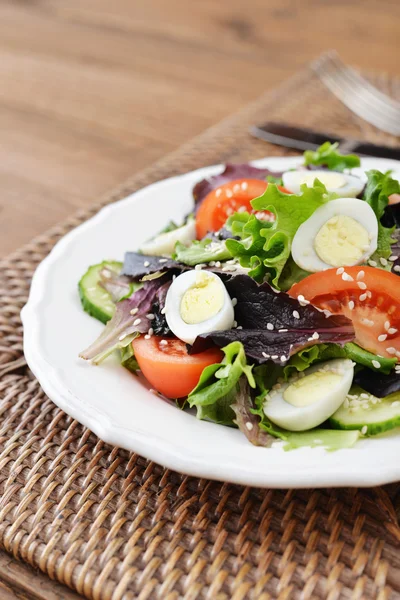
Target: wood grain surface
<point>92,90</point>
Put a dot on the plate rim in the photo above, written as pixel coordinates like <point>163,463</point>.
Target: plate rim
<point>103,427</point>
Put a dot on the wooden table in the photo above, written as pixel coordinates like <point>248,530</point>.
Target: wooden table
<point>93,90</point>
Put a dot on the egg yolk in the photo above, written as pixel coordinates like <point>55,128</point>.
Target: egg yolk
<point>203,300</point>
<point>310,389</point>
<point>341,241</point>
<point>330,180</point>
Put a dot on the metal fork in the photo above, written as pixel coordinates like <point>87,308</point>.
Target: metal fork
<point>358,94</point>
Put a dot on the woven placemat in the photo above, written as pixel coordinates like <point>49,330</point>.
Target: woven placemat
<point>112,525</point>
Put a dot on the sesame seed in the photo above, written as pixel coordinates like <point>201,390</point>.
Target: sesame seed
<point>163,260</point>
<point>364,430</point>
<point>245,185</point>
<point>392,330</point>
<point>153,391</point>
<point>362,285</point>
<point>283,358</point>
<point>397,268</point>
<point>229,194</point>
<point>162,311</point>
<point>296,314</point>
<point>340,271</point>
<point>382,338</point>
<point>198,267</point>
<point>283,330</point>
<point>364,395</point>
<point>270,326</point>
<point>391,350</point>
<point>163,343</point>
<point>234,302</point>
<point>387,325</point>
<point>265,355</point>
<point>147,336</point>
<point>302,300</point>
<point>236,187</point>
<point>150,316</point>
<point>347,277</point>
<point>360,275</point>
<point>368,322</point>
<point>218,192</point>
<point>218,264</point>
<point>122,337</point>
<point>150,331</point>
<point>211,263</point>
<point>376,364</point>
<point>372,263</point>
<point>274,357</point>
<point>134,311</point>
<point>137,322</point>
<point>249,426</point>
<point>393,258</point>
<point>315,335</point>
<point>146,263</point>
<point>351,305</point>
<point>234,324</point>
<point>383,261</point>
<point>363,297</point>
<point>369,294</point>
<point>239,327</point>
<point>173,277</point>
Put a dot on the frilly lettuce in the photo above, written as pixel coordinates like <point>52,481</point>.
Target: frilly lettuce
<point>329,156</point>
<point>265,246</point>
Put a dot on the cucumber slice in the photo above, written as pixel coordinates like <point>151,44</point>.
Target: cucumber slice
<point>368,414</point>
<point>95,300</point>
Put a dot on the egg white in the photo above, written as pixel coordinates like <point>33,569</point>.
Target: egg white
<point>186,332</point>
<point>164,243</point>
<point>303,251</point>
<point>301,418</point>
<point>352,187</point>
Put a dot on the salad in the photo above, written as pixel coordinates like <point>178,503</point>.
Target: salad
<point>273,307</point>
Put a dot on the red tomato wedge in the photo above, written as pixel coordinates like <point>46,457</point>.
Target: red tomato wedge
<point>226,199</point>
<point>169,368</point>
<point>369,297</point>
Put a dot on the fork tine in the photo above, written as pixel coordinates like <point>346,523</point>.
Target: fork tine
<point>357,94</point>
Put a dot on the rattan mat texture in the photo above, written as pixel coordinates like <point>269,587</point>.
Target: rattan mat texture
<point>112,525</point>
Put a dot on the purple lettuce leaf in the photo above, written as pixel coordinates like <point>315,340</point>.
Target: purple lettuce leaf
<point>246,420</point>
<point>377,384</point>
<point>273,326</point>
<point>118,286</point>
<point>138,265</point>
<point>130,318</point>
<point>230,173</point>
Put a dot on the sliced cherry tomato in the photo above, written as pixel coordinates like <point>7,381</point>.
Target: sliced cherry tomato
<point>169,368</point>
<point>369,297</point>
<point>228,198</point>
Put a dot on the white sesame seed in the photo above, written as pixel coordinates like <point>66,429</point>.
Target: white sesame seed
<point>296,314</point>
<point>137,322</point>
<point>162,311</point>
<point>234,324</point>
<point>265,355</point>
<point>393,258</point>
<point>245,185</point>
<point>368,322</point>
<point>147,336</point>
<point>376,364</point>
<point>218,264</point>
<point>198,267</point>
<point>383,261</point>
<point>340,270</point>
<point>363,297</point>
<point>283,358</point>
<point>229,194</point>
<point>351,304</point>
<point>153,391</point>
<point>241,209</point>
<point>387,325</point>
<point>372,263</point>
<point>211,263</point>
<point>218,192</point>
<point>236,187</point>
<point>391,350</point>
<point>173,277</point>
<point>396,268</point>
<point>234,302</point>
<point>382,338</point>
<point>315,335</point>
<point>283,330</point>
<point>163,343</point>
<point>347,277</point>
<point>362,285</point>
<point>239,327</point>
<point>274,357</point>
<point>146,263</point>
<point>392,330</point>
<point>150,331</point>
<point>270,326</point>
<point>364,395</point>
<point>122,337</point>
<point>369,294</point>
<point>150,316</point>
<point>364,430</point>
<point>134,311</point>
<point>249,426</point>
<point>360,275</point>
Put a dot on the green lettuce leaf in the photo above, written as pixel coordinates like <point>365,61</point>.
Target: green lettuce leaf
<point>329,156</point>
<point>273,179</point>
<point>377,191</point>
<point>265,246</point>
<point>204,251</point>
<point>325,438</point>
<point>216,389</point>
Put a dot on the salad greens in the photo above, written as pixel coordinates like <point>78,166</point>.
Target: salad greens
<point>329,156</point>
<point>200,252</point>
<point>265,246</point>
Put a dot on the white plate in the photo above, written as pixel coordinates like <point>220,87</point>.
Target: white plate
<point>118,407</point>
